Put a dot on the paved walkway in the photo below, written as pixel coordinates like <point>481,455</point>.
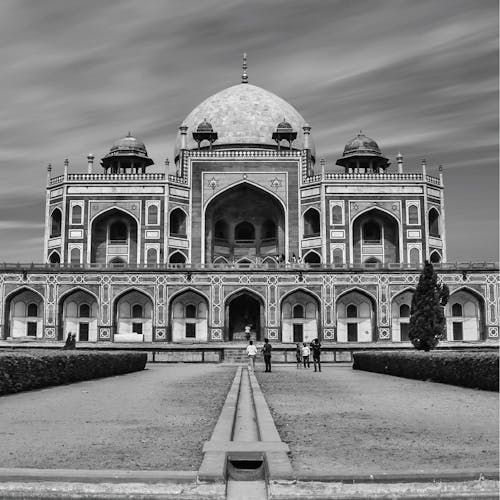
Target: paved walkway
<point>155,419</point>
<point>346,421</point>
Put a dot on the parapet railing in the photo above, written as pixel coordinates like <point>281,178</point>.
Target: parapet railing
<point>402,177</point>
<point>86,177</point>
<point>282,266</point>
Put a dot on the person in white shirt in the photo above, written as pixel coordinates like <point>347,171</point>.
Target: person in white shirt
<point>251,353</point>
<point>306,351</point>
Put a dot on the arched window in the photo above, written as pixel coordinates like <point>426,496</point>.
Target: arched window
<point>118,233</point>
<point>190,311</point>
<point>244,231</point>
<point>337,214</point>
<point>32,310</point>
<point>312,258</point>
<point>412,214</point>
<point>298,311</point>
<point>221,230</point>
<point>137,311</point>
<point>177,222</point>
<point>55,258</point>
<point>76,214</point>
<point>414,256</point>
<point>75,256</point>
<point>456,309</point>
<point>338,256</point>
<point>434,222</point>
<point>352,311</point>
<point>312,225</point>
<point>152,214</point>
<point>55,223</point>
<point>84,311</point>
<point>435,257</point>
<point>404,311</point>
<point>117,261</point>
<point>177,258</point>
<point>372,233</point>
<point>268,230</point>
<point>152,256</point>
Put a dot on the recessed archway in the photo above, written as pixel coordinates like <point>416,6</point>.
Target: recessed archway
<point>114,236</point>
<point>375,235</point>
<point>23,314</point>
<point>300,317</point>
<point>356,317</point>
<point>77,313</point>
<point>133,317</point>
<point>189,317</point>
<point>465,312</point>
<point>244,311</point>
<point>244,221</point>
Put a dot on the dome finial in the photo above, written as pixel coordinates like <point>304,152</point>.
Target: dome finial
<point>244,75</point>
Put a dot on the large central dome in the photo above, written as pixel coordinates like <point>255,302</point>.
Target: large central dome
<point>244,114</point>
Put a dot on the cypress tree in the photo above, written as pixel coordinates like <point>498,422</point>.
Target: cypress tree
<point>427,321</point>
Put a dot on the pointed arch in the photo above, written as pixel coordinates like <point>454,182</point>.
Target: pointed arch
<point>55,223</point>
<point>434,218</point>
<point>311,222</point>
<point>312,257</point>
<point>177,257</point>
<point>17,324</point>
<point>435,257</point>
<point>312,294</point>
<point>54,257</point>
<point>177,222</point>
<point>70,322</point>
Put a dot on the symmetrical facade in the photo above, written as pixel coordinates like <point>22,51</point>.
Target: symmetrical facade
<point>249,233</point>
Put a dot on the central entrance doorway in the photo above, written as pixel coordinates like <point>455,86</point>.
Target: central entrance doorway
<point>244,314</point>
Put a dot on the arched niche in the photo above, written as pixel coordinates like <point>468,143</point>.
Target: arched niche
<point>114,236</point>
<point>19,314</point>
<point>189,317</point>
<point>129,328</point>
<point>400,312</point>
<point>469,325</point>
<point>356,317</point>
<point>375,234</point>
<point>244,221</point>
<point>78,313</point>
<point>300,317</point>
<point>244,309</point>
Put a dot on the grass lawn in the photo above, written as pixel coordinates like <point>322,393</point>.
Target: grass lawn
<point>341,420</point>
<point>156,419</point>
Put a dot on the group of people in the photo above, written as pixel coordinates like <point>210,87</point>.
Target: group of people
<point>252,354</point>
<point>302,354</point>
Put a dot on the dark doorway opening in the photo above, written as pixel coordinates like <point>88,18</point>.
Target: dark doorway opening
<point>298,332</point>
<point>83,333</point>
<point>405,328</point>
<point>352,332</point>
<point>244,311</point>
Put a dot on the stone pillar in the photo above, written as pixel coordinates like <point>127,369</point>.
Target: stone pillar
<point>400,163</point>
<point>90,162</point>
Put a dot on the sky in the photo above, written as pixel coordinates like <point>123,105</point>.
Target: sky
<point>419,77</point>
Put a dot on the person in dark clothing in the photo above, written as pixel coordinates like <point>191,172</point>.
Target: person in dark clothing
<point>316,352</point>
<point>266,350</point>
<point>298,355</point>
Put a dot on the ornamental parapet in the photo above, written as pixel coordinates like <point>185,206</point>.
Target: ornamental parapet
<point>291,266</point>
<point>363,177</point>
<point>85,177</point>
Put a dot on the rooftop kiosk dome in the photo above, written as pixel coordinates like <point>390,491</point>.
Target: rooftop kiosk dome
<point>127,155</point>
<point>362,155</point>
<point>244,115</point>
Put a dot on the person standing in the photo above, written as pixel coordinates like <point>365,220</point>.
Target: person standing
<point>251,354</point>
<point>305,355</point>
<point>298,355</point>
<point>316,352</point>
<point>266,350</point>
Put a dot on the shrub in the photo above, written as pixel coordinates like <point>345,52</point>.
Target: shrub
<point>427,321</point>
<point>25,370</point>
<point>464,368</point>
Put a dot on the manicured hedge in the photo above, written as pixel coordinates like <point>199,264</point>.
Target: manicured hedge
<point>464,368</point>
<point>25,370</point>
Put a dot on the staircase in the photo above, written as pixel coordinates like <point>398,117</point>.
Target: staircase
<point>235,355</point>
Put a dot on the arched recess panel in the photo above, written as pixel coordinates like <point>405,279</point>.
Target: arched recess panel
<point>312,257</point>
<point>400,311</point>
<point>465,316</point>
<point>300,317</point>
<point>129,327</point>
<point>23,314</point>
<point>312,223</point>
<point>434,223</point>
<point>55,223</point>
<point>356,317</point>
<point>189,317</point>
<point>78,314</point>
<point>177,220</point>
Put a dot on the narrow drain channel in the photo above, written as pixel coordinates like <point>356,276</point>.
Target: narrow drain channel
<point>245,472</point>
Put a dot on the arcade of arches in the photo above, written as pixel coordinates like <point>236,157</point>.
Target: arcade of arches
<point>244,222</point>
<point>244,316</point>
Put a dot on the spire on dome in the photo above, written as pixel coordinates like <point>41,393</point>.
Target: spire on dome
<point>244,75</point>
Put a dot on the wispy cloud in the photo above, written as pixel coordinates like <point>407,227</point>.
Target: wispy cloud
<point>419,77</point>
